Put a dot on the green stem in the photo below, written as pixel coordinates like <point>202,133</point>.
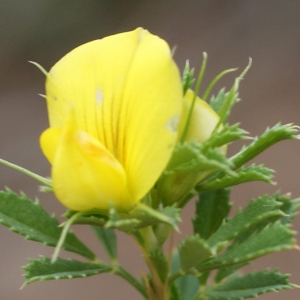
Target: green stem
<point>37,177</point>
<point>131,280</point>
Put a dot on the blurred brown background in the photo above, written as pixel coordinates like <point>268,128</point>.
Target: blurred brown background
<point>229,31</point>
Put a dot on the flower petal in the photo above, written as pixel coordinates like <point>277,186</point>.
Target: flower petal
<point>85,175</point>
<point>203,121</point>
<point>126,92</point>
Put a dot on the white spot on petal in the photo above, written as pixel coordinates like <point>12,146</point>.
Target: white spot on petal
<point>99,96</point>
<point>172,124</point>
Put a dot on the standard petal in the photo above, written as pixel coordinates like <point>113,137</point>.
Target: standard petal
<point>203,122</point>
<point>126,92</point>
<point>85,175</point>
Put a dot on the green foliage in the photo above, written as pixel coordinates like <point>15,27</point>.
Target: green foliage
<point>249,286</point>
<point>187,77</point>
<point>192,251</point>
<point>190,163</point>
<point>43,269</point>
<point>257,210</point>
<point>226,271</point>
<point>30,220</point>
<point>242,175</point>
<point>270,137</point>
<point>188,287</point>
<point>225,136</point>
<point>219,243</point>
<point>211,209</point>
<point>108,239</point>
<point>161,264</point>
<point>271,239</point>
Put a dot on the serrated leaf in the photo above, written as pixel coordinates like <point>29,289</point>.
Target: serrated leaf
<point>257,210</point>
<point>244,174</point>
<point>249,286</point>
<point>30,220</point>
<point>226,271</point>
<point>270,137</point>
<point>271,239</point>
<point>225,136</point>
<point>289,207</point>
<point>211,209</point>
<point>160,263</point>
<point>192,251</point>
<point>108,239</point>
<point>43,269</point>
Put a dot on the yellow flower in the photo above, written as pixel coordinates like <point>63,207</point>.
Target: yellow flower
<point>113,106</point>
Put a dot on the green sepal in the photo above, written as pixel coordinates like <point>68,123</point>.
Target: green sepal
<point>257,210</point>
<point>160,263</point>
<point>43,269</point>
<point>211,209</point>
<point>228,100</point>
<point>187,77</point>
<point>244,174</point>
<point>188,166</point>
<point>30,220</point>
<point>270,137</point>
<point>148,216</point>
<point>116,222</point>
<point>249,286</point>
<point>108,239</point>
<point>271,239</point>
<point>192,251</point>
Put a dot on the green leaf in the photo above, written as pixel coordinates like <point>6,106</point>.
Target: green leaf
<point>289,207</point>
<point>42,269</point>
<point>226,135</point>
<point>30,220</point>
<point>257,210</point>
<point>211,209</point>
<point>192,251</point>
<point>271,239</point>
<point>270,137</point>
<point>188,287</point>
<point>244,174</point>
<point>174,292</point>
<point>226,271</point>
<point>161,264</point>
<point>108,239</point>
<point>249,286</point>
